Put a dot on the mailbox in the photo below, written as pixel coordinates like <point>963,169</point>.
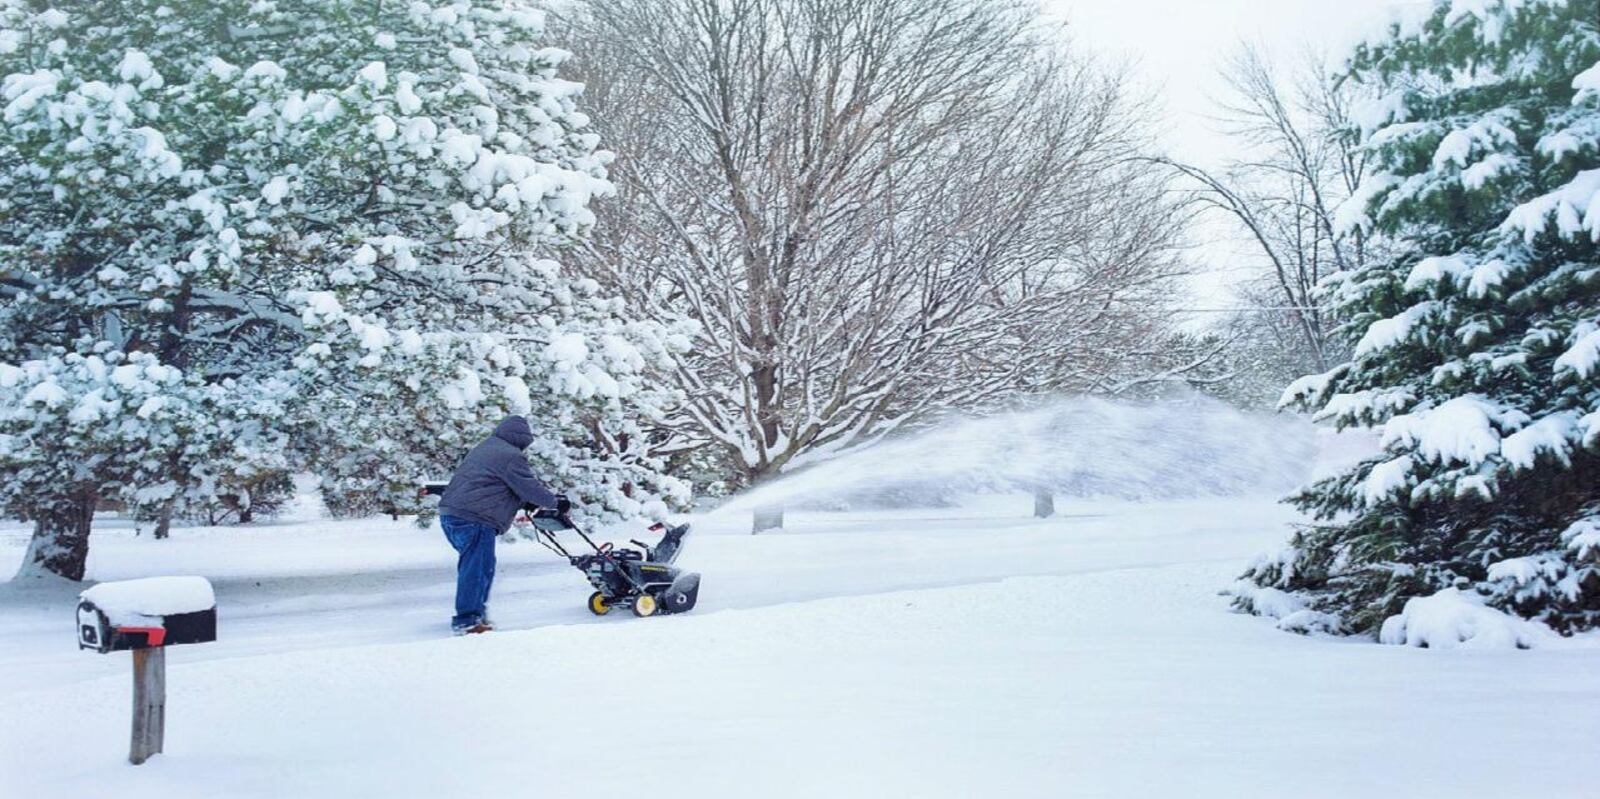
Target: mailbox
<point>145,617</point>
<point>146,614</point>
<point>97,632</point>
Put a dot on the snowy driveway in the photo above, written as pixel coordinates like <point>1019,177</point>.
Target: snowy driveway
<point>854,655</point>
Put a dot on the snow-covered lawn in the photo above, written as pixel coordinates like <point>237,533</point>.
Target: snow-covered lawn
<point>952,652</point>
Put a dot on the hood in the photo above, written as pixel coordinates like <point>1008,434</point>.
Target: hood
<point>515,431</point>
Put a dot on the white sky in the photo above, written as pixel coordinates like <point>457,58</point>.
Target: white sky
<point>1176,48</point>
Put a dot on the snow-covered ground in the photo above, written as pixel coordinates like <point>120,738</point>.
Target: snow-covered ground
<point>954,652</point>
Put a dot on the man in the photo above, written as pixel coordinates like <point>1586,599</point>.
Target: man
<point>489,487</point>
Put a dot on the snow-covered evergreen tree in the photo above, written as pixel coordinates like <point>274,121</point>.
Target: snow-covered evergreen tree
<point>321,229</point>
<point>1477,345</point>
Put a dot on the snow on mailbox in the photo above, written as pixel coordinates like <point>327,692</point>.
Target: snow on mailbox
<point>142,614</point>
<point>145,617</point>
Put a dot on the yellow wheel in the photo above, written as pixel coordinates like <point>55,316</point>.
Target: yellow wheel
<point>645,605</point>
<point>598,604</point>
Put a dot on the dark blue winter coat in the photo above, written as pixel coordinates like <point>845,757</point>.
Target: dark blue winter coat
<point>494,480</point>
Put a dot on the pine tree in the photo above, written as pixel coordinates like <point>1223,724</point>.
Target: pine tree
<point>1477,344</point>
<point>322,231</point>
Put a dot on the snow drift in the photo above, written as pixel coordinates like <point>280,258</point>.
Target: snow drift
<point>1453,619</point>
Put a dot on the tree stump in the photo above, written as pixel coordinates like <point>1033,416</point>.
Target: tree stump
<point>768,518</point>
<point>1044,503</point>
<point>149,703</point>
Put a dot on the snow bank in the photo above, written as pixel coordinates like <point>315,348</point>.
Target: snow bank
<point>1266,601</point>
<point>880,644</point>
<point>128,601</point>
<point>1117,684</point>
<point>1454,619</point>
<point>1290,610</point>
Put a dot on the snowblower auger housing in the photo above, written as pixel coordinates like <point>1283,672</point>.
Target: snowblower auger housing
<point>643,580</point>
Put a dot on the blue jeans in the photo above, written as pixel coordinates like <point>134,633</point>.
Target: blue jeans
<point>474,543</point>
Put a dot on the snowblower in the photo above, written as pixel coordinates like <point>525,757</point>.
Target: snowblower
<point>642,579</point>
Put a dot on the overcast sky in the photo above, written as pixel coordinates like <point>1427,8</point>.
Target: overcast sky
<point>1176,47</point>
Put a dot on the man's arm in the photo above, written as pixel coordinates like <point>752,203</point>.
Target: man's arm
<point>519,476</point>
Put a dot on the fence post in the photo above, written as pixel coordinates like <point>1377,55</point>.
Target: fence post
<point>149,703</point>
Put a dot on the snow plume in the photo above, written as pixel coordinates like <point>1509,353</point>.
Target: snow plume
<point>1074,447</point>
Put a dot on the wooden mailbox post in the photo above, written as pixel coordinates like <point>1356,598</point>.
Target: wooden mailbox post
<point>145,617</point>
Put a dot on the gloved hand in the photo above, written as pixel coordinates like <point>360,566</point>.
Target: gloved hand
<point>563,505</point>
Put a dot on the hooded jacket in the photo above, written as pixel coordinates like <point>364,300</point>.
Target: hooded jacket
<point>494,481</point>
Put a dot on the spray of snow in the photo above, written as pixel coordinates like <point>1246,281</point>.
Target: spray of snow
<point>1073,447</point>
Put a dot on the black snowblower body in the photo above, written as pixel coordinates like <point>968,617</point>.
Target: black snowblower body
<point>642,580</point>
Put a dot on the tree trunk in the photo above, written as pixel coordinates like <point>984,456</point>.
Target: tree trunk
<point>60,543</point>
<point>164,519</point>
<point>1044,503</point>
<point>768,518</point>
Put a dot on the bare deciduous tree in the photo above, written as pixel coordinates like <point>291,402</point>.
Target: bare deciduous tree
<point>873,211</point>
<point>1303,163</point>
